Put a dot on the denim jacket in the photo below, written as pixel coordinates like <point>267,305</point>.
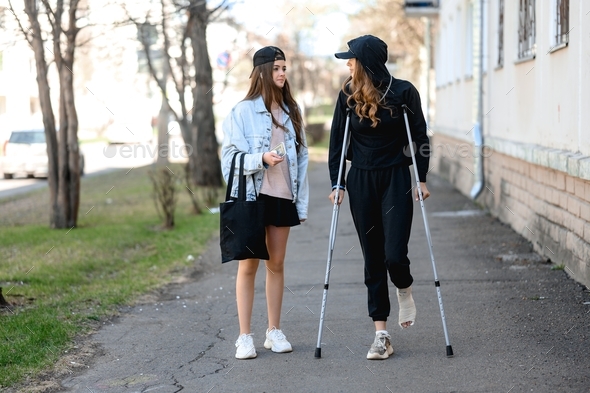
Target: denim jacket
<point>248,129</point>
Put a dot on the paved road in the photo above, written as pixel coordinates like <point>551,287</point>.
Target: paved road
<point>515,324</point>
<point>100,158</point>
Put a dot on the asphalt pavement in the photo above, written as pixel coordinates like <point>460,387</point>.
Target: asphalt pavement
<point>515,324</point>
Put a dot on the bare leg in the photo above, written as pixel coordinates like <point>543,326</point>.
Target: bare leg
<point>380,325</point>
<point>245,292</point>
<point>276,241</point>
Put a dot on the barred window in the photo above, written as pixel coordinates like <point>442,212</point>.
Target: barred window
<point>500,33</point>
<point>526,29</point>
<point>562,22</point>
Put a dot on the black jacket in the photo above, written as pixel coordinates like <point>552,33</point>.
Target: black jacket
<point>387,144</point>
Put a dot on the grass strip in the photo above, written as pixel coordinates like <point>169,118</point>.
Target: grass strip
<point>61,282</point>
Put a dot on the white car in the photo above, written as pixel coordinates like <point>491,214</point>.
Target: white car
<point>25,153</point>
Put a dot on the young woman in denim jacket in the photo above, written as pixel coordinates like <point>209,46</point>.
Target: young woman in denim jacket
<point>267,117</point>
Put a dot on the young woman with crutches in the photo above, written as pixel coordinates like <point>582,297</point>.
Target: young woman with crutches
<point>379,183</point>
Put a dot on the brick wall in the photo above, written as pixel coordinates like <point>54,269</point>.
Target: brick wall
<point>549,207</point>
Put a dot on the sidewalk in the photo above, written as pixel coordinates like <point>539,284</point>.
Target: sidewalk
<point>515,325</point>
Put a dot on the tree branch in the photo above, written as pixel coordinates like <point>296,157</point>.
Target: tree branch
<point>20,26</point>
<point>167,46</point>
<point>224,6</point>
<point>55,29</point>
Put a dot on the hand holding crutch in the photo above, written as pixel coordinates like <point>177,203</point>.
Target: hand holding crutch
<point>427,229</point>
<point>333,226</point>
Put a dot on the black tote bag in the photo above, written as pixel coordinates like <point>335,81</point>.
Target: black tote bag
<point>242,233</point>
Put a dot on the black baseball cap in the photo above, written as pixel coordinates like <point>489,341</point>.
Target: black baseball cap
<point>268,54</point>
<point>371,51</point>
<point>363,47</point>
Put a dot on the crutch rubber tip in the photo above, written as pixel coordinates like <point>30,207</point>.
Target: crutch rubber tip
<point>449,351</point>
<point>318,353</point>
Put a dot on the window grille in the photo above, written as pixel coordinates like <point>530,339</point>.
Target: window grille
<point>562,22</point>
<point>500,33</point>
<point>526,29</point>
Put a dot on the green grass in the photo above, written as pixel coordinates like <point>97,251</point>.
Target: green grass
<point>61,282</point>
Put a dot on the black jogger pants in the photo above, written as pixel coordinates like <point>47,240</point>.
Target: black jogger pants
<point>381,203</point>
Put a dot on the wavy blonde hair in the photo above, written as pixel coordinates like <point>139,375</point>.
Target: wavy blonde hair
<point>364,96</point>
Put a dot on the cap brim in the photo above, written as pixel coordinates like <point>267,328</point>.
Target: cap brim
<point>345,55</point>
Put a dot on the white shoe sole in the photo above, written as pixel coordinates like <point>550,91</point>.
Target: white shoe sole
<point>248,356</point>
<point>268,345</point>
<point>376,356</point>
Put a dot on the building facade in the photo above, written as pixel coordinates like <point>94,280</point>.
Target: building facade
<point>535,118</point>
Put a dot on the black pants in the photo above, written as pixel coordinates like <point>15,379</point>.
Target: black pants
<point>381,203</point>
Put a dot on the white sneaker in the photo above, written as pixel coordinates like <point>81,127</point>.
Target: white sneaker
<point>381,347</point>
<point>245,347</point>
<point>276,340</point>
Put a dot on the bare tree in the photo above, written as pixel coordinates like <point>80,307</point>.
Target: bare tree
<point>63,152</point>
<point>165,194</point>
<point>182,25</point>
<point>387,20</point>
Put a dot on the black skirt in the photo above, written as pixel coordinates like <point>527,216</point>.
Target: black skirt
<point>279,212</point>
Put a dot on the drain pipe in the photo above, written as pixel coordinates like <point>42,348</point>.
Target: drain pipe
<point>478,99</point>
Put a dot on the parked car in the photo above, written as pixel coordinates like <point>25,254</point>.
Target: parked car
<point>25,152</point>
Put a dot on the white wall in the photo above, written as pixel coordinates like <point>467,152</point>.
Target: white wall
<point>536,130</point>
<point>543,101</point>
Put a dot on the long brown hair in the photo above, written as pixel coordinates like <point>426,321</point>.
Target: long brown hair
<point>262,84</point>
<point>364,96</point>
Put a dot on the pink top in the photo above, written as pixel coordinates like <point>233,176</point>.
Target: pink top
<point>276,180</point>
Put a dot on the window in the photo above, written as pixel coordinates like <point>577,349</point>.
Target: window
<point>500,62</point>
<point>561,22</point>
<point>33,136</point>
<point>526,29</point>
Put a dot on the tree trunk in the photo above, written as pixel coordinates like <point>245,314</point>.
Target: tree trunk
<point>62,153</point>
<point>73,153</point>
<point>63,196</point>
<point>46,109</point>
<point>163,132</point>
<point>3,302</point>
<point>163,117</point>
<point>207,170</point>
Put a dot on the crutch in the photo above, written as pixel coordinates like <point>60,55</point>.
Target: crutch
<point>333,226</point>
<point>426,227</point>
